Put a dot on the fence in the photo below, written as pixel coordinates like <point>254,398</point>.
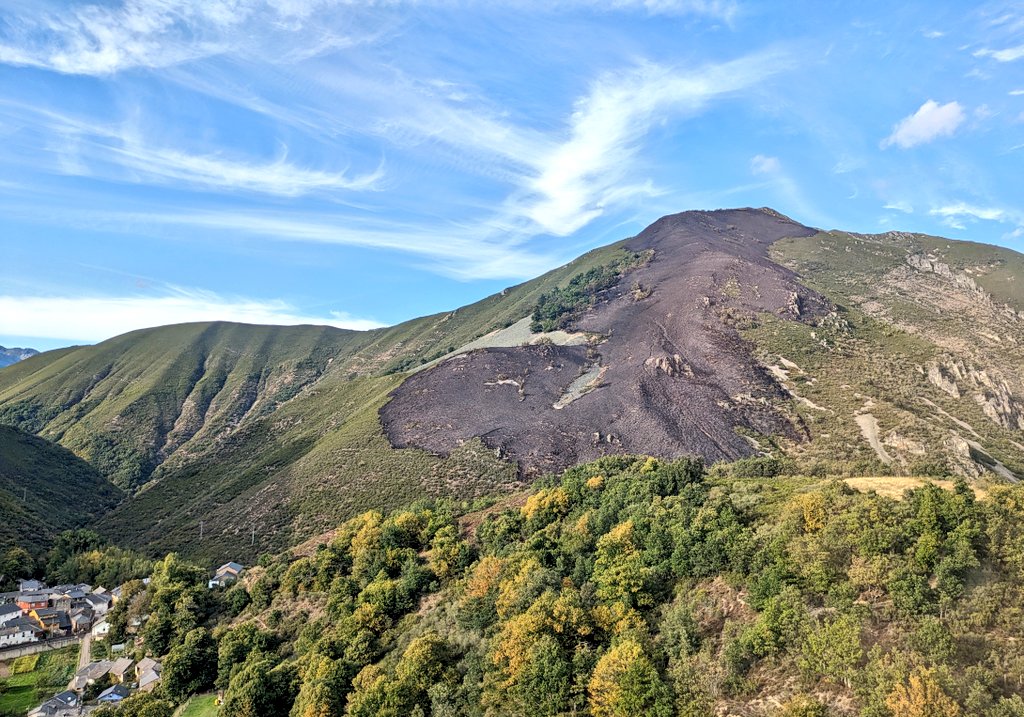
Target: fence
<point>31,648</point>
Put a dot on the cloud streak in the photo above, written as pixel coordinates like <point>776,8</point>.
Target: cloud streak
<point>1010,54</point>
<point>578,178</point>
<point>95,318</point>
<point>113,151</point>
<point>930,122</point>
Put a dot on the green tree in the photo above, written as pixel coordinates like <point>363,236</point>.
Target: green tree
<point>191,666</point>
<point>625,683</point>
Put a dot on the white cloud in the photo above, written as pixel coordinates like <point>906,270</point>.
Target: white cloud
<point>106,38</point>
<point>930,122</point>
<point>95,318</point>
<point>958,214</point>
<point>577,179</point>
<point>1016,93</point>
<point>900,206</point>
<point>761,164</point>
<point>92,149</point>
<point>1007,55</point>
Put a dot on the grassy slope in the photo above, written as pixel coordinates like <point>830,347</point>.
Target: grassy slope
<point>276,428</point>
<point>248,426</point>
<point>45,488</point>
<point>895,331</point>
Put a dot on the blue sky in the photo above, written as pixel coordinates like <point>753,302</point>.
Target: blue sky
<point>361,163</point>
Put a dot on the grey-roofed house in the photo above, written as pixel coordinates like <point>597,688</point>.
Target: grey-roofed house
<point>81,619</point>
<point>64,704</point>
<point>10,636</point>
<point>113,694</point>
<point>226,574</point>
<point>9,613</point>
<point>147,673</point>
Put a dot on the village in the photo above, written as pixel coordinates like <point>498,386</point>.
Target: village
<point>37,618</point>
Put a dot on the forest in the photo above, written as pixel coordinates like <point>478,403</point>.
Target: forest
<point>623,587</point>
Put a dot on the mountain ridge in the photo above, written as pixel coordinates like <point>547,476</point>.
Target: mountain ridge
<point>835,351</point>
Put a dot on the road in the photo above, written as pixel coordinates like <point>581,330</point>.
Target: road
<point>85,652</point>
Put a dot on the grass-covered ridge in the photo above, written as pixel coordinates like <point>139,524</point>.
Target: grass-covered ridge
<point>624,587</point>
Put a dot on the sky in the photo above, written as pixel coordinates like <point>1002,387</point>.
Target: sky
<point>362,163</point>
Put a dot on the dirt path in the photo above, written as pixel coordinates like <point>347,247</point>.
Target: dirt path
<point>85,652</point>
<point>869,427</point>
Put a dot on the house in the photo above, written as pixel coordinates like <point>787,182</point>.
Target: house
<point>9,613</point>
<point>226,574</point>
<point>81,620</point>
<point>113,695</point>
<point>60,601</point>
<point>27,623</point>
<point>52,620</point>
<point>101,629</point>
<point>121,668</point>
<point>147,673</point>
<point>30,586</point>
<point>64,704</point>
<point>32,601</point>
<point>89,674</point>
<point>98,603</point>
<point>10,636</point>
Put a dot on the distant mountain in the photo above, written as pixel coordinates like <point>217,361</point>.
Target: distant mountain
<point>9,356</point>
<point>723,334</point>
<point>45,489</point>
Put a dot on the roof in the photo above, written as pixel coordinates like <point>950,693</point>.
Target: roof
<point>95,670</point>
<point>98,599</point>
<point>9,609</point>
<point>15,630</point>
<point>115,693</point>
<point>121,666</point>
<point>149,677</point>
<point>66,697</point>
<point>147,663</point>
<point>33,597</point>
<point>232,567</point>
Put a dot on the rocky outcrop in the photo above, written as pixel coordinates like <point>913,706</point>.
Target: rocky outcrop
<point>992,393</point>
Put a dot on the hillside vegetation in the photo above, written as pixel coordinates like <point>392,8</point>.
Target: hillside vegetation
<point>624,587</point>
<point>721,334</point>
<point>45,489</point>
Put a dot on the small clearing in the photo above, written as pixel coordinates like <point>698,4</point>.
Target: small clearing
<point>518,334</point>
<point>896,486</point>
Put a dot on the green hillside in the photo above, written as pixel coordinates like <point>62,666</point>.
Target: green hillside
<point>45,489</point>
<point>258,437</point>
<point>625,587</point>
<point>242,427</point>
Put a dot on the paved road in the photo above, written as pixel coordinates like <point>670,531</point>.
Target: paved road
<point>84,653</point>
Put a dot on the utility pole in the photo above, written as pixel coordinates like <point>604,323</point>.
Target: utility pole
<point>253,535</point>
<point>200,530</point>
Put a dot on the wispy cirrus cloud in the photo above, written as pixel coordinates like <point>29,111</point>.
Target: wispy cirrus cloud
<point>1009,54</point>
<point>930,122</point>
<point>578,178</point>
<point>120,152</point>
<point>957,214</point>
<point>91,318</point>
<point>106,38</point>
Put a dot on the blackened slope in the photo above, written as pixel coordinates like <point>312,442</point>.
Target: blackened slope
<point>673,376</point>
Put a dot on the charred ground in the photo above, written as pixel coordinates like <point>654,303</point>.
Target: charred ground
<point>666,371</point>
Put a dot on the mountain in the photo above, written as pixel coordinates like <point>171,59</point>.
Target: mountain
<point>45,489</point>
<point>725,334</point>
<point>9,356</point>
